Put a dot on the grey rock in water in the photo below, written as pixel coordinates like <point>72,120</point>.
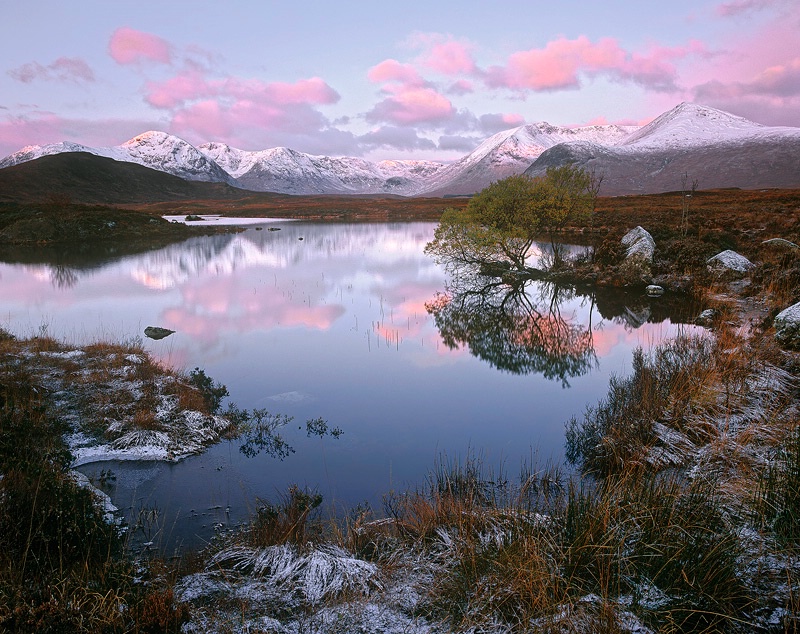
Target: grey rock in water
<point>707,317</point>
<point>787,327</point>
<point>156,332</point>
<point>654,290</point>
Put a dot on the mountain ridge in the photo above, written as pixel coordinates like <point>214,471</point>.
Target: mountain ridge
<point>726,150</point>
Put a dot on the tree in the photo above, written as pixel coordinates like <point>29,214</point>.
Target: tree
<point>501,223</point>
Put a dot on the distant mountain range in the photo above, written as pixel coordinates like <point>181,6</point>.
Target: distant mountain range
<point>716,148</point>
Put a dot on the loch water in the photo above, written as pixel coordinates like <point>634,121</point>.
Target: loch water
<point>351,323</point>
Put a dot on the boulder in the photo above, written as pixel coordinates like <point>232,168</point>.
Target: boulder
<point>156,332</point>
<point>729,262</point>
<point>639,251</point>
<point>707,317</point>
<point>654,290</point>
<point>781,243</point>
<point>787,327</point>
<point>639,244</point>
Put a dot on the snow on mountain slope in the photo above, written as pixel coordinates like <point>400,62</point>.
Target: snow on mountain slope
<point>170,154</point>
<point>689,124</point>
<point>716,148</point>
<point>288,171</point>
<point>640,159</point>
<point>512,152</point>
<point>32,152</point>
<point>156,150</point>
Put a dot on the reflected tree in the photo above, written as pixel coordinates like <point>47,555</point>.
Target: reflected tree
<point>63,277</point>
<point>503,323</point>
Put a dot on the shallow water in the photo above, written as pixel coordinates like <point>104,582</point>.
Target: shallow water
<point>322,320</point>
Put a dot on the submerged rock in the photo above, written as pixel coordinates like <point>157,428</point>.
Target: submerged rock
<point>156,332</point>
<point>787,327</point>
<point>729,262</point>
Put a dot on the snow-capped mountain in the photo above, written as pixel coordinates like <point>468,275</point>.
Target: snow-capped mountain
<point>156,150</point>
<point>715,148</point>
<point>287,171</point>
<point>32,152</point>
<point>690,125</point>
<point>512,151</point>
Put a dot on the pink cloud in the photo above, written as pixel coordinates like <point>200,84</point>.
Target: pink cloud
<point>461,87</point>
<point>205,118</point>
<point>129,46</point>
<point>778,82</point>
<point>728,9</point>
<point>246,112</point>
<point>391,70</point>
<point>63,69</point>
<point>762,84</point>
<point>450,58</point>
<point>42,128</point>
<point>304,91</point>
<point>561,63</point>
<point>412,106</point>
<point>177,90</point>
<point>192,85</point>
<point>411,99</point>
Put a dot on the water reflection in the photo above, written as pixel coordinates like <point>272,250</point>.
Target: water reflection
<point>335,326</point>
<point>519,327</point>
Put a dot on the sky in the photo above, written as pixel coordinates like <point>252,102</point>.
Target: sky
<point>382,79</point>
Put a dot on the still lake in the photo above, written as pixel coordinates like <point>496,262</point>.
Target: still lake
<point>332,321</point>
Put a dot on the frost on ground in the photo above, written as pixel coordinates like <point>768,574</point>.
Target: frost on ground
<point>119,403</point>
<point>286,588</point>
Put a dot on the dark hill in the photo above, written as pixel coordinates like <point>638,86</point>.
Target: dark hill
<point>85,178</point>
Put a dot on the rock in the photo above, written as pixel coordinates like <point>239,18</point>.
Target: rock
<point>780,242</point>
<point>653,290</point>
<point>787,327</point>
<point>192,218</point>
<point>155,332</point>
<point>634,318</point>
<point>729,262</point>
<point>639,243</point>
<point>640,248</point>
<point>707,317</point>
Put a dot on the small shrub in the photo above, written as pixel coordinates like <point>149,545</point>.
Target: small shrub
<point>287,521</point>
<point>158,612</point>
<point>213,393</point>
